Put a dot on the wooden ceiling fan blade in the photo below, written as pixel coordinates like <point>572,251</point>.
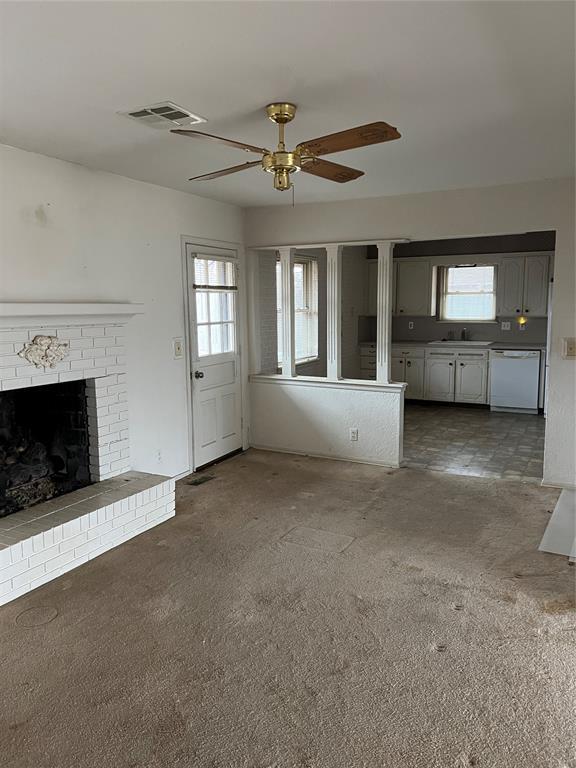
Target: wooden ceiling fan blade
<point>220,140</point>
<point>362,136</point>
<point>331,171</point>
<point>226,171</point>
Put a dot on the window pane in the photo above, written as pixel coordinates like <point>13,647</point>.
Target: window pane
<point>469,306</point>
<point>215,307</point>
<point>202,336</point>
<point>300,299</point>
<point>216,339</point>
<point>470,279</point>
<point>227,306</point>
<point>214,272</point>
<point>201,307</point>
<point>228,344</point>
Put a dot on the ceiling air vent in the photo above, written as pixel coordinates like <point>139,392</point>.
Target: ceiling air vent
<point>164,115</point>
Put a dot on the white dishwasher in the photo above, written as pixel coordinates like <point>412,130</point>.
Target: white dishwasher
<point>514,380</point>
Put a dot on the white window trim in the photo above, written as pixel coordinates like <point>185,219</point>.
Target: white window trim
<point>313,309</point>
<point>443,293</point>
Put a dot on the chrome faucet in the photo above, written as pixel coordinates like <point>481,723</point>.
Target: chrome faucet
<point>464,334</point>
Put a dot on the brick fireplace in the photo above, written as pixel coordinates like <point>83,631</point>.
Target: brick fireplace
<point>64,498</point>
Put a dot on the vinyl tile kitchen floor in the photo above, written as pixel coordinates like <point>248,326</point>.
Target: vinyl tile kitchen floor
<point>473,441</point>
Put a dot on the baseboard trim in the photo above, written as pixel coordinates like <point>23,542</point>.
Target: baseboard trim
<point>372,462</point>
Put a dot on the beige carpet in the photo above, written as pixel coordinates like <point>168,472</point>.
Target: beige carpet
<point>302,613</point>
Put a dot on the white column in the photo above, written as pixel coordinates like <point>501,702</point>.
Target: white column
<point>384,312</point>
<point>334,311</point>
<point>286,256</point>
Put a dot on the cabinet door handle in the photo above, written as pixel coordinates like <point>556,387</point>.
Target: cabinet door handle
<point>517,310</point>
<point>408,363</point>
<point>401,310</point>
<point>462,365</point>
<point>526,310</point>
<point>449,363</point>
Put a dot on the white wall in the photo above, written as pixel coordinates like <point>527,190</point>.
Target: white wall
<point>72,234</point>
<point>314,418</point>
<point>493,210</point>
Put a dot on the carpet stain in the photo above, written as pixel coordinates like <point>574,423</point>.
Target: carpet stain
<point>559,606</point>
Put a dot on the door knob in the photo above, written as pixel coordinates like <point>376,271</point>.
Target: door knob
<point>198,374</point>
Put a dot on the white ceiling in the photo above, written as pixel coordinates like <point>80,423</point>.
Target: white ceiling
<point>482,92</point>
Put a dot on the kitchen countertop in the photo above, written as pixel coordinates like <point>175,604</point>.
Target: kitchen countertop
<point>492,345</point>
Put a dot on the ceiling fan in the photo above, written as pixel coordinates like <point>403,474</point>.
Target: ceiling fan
<point>305,157</point>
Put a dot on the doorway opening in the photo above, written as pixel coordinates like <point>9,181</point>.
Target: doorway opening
<point>213,334</point>
<point>470,337</point>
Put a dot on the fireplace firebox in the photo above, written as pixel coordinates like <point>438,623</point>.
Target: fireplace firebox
<point>44,448</point>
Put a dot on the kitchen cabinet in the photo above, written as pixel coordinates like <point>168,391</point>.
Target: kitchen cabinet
<point>471,385</point>
<point>536,286</point>
<point>398,368</point>
<point>414,377</point>
<point>522,286</point>
<point>368,361</point>
<point>413,288</point>
<point>439,381</point>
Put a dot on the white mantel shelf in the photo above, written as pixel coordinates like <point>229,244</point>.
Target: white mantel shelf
<point>17,313</point>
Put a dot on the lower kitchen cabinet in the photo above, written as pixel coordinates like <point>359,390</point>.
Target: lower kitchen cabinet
<point>439,376</point>
<point>414,377</point>
<point>471,379</point>
<point>398,368</point>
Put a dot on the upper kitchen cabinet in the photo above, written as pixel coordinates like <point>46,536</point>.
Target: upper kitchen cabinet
<point>414,290</point>
<point>523,285</point>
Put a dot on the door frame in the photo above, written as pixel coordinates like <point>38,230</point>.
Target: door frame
<point>234,251</point>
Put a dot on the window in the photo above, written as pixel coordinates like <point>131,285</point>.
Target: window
<point>468,293</point>
<point>305,309</point>
<point>215,294</point>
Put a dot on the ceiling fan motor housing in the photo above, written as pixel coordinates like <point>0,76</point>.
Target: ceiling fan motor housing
<point>282,164</point>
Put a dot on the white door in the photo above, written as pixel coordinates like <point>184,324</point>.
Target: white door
<point>536,286</point>
<point>413,287</point>
<point>439,377</point>
<point>414,377</point>
<point>510,280</point>
<point>471,381</point>
<point>214,355</point>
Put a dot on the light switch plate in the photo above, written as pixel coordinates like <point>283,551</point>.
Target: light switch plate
<point>568,347</point>
<point>178,351</point>
<point>505,325</point>
<point>410,325</point>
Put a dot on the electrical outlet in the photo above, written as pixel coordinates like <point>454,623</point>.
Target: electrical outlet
<point>411,325</point>
<point>505,325</point>
<point>569,347</point>
<point>354,435</point>
<point>178,351</point>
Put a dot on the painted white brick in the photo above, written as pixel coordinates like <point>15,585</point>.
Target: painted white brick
<point>57,562</point>
<point>87,353</point>
<point>20,336</point>
<point>72,528</point>
<point>113,330</point>
<point>82,343</point>
<point>106,381</point>
<point>41,331</point>
<point>67,544</point>
<point>7,349</point>
<point>92,330</point>
<point>7,373</point>
<point>70,375</point>
<point>70,332</point>
<point>116,350</point>
<point>42,557</point>
<point>115,368</point>
<point>85,549</point>
<point>96,372</point>
<point>14,570</point>
<point>5,557</point>
<point>29,575</point>
<point>46,378</point>
<point>101,342</point>
<point>11,360</point>
<point>76,365</point>
<point>105,362</point>
<point>16,383</point>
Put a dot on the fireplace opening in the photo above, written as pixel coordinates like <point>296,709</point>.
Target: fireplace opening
<point>44,450</point>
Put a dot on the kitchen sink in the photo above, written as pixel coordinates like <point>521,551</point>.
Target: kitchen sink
<point>459,343</point>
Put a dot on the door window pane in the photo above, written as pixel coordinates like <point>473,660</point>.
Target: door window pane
<point>215,306</point>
